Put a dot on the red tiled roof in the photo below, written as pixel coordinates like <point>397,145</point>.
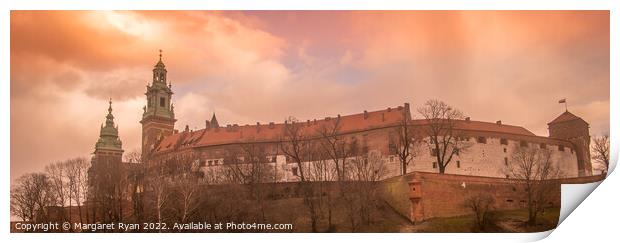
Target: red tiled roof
<point>349,123</point>
<point>564,117</point>
<point>483,127</point>
<point>266,132</point>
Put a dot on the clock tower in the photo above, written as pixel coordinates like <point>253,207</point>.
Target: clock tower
<point>158,117</point>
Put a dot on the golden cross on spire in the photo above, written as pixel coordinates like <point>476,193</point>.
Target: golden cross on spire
<point>160,54</point>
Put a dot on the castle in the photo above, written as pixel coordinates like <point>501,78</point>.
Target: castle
<point>490,144</point>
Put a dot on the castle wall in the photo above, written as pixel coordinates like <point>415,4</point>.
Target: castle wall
<point>479,159</point>
<point>444,195</point>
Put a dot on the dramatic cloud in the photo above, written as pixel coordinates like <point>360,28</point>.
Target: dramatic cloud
<point>266,65</point>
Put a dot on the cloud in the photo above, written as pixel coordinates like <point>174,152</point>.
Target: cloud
<point>263,66</point>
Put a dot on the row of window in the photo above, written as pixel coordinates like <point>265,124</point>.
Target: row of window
<point>504,141</point>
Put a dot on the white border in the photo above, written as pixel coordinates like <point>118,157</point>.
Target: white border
<point>582,225</point>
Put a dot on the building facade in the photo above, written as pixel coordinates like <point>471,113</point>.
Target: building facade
<point>216,149</point>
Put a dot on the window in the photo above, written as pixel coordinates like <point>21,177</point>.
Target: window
<point>201,163</point>
<point>505,160</point>
<point>561,147</point>
<point>505,150</point>
<point>456,151</point>
<point>210,162</point>
<point>391,158</point>
<point>509,200</point>
<point>504,142</point>
<point>523,144</point>
<point>482,140</point>
<point>295,171</point>
<point>458,164</point>
<point>434,165</point>
<point>392,147</point>
<point>543,146</point>
<point>507,176</point>
<point>162,101</point>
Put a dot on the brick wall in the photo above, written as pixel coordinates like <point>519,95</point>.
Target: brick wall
<point>443,195</point>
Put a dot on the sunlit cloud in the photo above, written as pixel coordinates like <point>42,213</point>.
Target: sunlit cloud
<point>262,66</point>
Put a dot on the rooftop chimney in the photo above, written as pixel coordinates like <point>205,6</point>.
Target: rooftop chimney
<point>257,127</point>
<point>207,124</point>
<point>271,125</point>
<point>327,118</point>
<point>499,122</point>
<point>467,118</point>
<point>308,122</point>
<point>389,109</point>
<point>365,115</point>
<point>186,128</point>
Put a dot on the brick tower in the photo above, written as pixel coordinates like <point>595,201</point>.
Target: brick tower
<point>577,131</point>
<point>158,117</point>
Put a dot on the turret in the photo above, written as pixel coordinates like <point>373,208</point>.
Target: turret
<point>574,129</point>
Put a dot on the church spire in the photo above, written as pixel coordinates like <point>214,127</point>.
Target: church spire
<point>159,72</point>
<point>214,123</point>
<point>109,119</point>
<point>108,135</point>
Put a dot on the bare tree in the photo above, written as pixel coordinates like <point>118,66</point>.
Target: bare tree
<point>335,145</point>
<point>134,178</point>
<point>186,186</point>
<point>295,144</point>
<point>361,196</point>
<point>534,168</point>
<point>31,196</point>
<point>57,174</point>
<point>481,205</point>
<point>600,151</point>
<point>158,185</point>
<point>77,176</point>
<point>405,143</point>
<point>445,139</point>
<point>258,172</point>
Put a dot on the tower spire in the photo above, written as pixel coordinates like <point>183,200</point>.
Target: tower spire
<point>110,107</point>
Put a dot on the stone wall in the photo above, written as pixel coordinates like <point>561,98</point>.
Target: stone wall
<point>443,195</point>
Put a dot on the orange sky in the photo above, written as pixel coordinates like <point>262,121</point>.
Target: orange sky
<point>265,65</point>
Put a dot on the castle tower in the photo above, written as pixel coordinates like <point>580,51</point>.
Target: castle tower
<point>574,129</point>
<point>158,117</point>
<point>105,170</point>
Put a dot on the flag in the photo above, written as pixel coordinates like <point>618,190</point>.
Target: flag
<point>562,101</point>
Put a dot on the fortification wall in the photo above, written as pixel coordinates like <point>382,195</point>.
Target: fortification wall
<point>444,195</point>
